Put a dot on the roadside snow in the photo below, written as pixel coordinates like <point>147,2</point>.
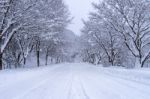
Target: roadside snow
<point>74,81</point>
<point>136,75</point>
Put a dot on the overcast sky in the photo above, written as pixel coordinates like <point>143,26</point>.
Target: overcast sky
<point>79,10</point>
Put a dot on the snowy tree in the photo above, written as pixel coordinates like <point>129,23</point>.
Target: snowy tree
<point>29,22</point>
<point>53,19</point>
<point>127,20</point>
<point>132,20</point>
<point>13,13</point>
<point>103,39</point>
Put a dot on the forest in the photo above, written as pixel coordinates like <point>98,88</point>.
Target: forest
<point>34,32</point>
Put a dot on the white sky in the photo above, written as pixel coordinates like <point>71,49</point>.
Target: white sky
<point>79,10</point>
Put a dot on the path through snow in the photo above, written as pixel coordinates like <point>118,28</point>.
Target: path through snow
<point>73,81</point>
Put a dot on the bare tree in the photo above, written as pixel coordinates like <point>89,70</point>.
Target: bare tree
<point>30,22</point>
<point>134,26</point>
<point>102,38</point>
<point>127,20</point>
<point>12,14</point>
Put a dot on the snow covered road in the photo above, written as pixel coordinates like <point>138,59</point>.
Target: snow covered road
<point>74,81</point>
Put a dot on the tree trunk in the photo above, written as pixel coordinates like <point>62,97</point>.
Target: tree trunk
<point>138,63</point>
<point>1,54</point>
<point>142,65</point>
<point>18,60</point>
<point>38,52</point>
<point>46,58</point>
<point>38,58</point>
<point>112,63</point>
<point>24,60</point>
<point>1,62</point>
<point>51,60</point>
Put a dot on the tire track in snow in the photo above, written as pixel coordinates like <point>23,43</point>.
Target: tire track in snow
<point>54,86</point>
<point>77,90</point>
<point>70,84</point>
<point>43,80</point>
<point>40,84</point>
<point>83,90</point>
<point>31,77</point>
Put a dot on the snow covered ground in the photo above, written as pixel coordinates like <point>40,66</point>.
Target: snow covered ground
<point>74,81</point>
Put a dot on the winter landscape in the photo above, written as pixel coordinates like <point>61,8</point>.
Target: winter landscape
<point>73,49</point>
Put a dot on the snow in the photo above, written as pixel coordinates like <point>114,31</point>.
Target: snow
<point>75,81</point>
